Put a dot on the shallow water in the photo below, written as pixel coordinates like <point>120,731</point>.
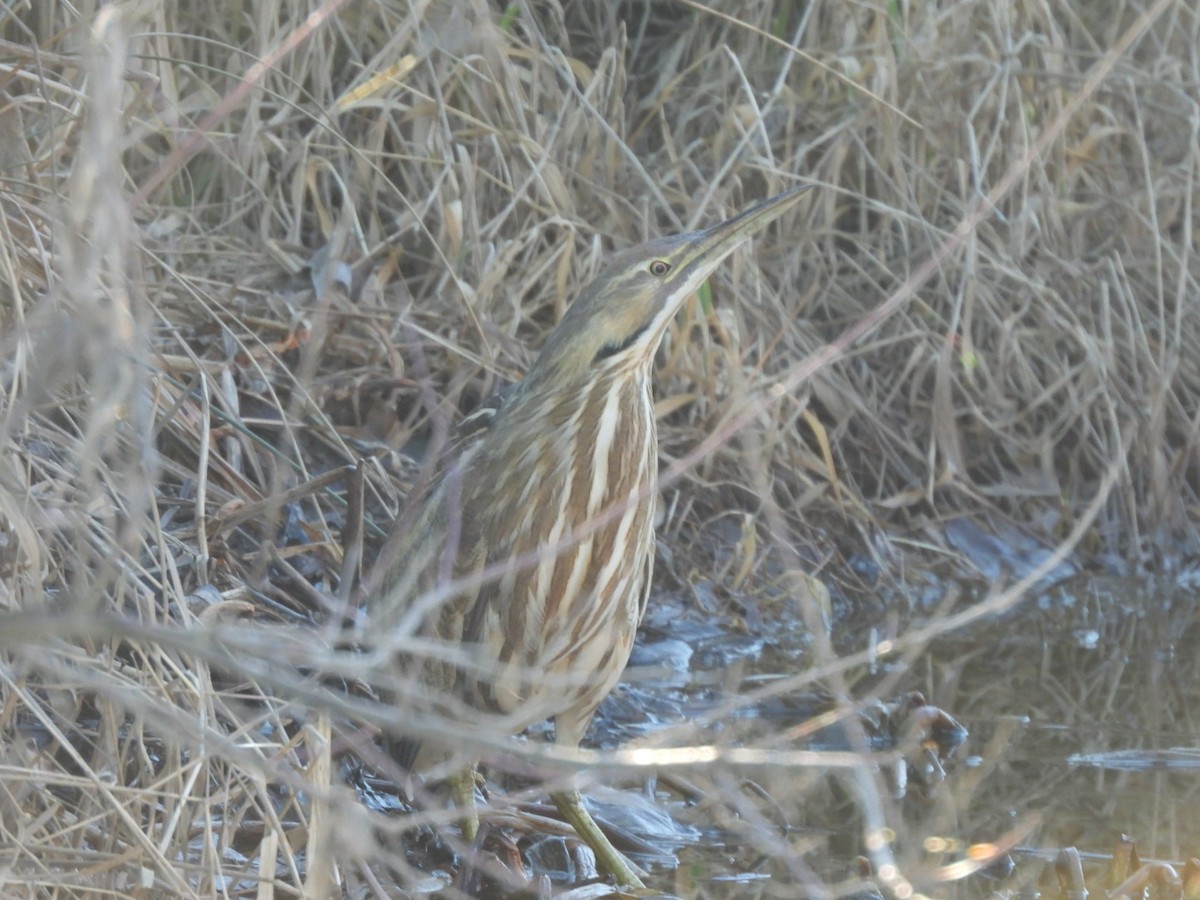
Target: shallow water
<point>1082,704</point>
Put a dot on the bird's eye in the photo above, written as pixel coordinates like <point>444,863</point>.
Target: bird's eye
<point>659,268</point>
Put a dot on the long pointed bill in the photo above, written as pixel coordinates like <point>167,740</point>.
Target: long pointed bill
<point>701,251</point>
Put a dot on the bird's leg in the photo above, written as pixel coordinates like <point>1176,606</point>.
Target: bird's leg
<point>462,790</point>
<point>570,804</point>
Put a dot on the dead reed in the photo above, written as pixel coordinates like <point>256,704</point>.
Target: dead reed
<point>238,302</point>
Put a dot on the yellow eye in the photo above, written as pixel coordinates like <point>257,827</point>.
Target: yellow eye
<point>659,268</point>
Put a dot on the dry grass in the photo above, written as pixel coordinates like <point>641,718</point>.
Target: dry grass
<point>215,291</point>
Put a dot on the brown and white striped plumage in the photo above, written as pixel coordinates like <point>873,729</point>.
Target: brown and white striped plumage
<point>570,517</point>
<point>552,493</point>
<point>552,490</point>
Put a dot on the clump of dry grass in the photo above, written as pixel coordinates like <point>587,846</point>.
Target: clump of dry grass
<point>204,315</point>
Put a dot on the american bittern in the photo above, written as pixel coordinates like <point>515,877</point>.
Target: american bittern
<point>545,512</point>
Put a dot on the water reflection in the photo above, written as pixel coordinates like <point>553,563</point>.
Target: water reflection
<point>1083,706</point>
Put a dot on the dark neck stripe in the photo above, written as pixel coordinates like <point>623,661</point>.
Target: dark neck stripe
<point>613,349</point>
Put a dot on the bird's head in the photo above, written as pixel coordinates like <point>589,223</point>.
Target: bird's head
<point>620,318</point>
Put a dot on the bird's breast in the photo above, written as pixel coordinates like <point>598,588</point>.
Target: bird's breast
<point>574,512</point>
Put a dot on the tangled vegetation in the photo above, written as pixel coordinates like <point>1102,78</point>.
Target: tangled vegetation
<point>254,265</point>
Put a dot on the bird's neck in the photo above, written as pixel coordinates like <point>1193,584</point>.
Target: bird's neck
<point>567,387</point>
